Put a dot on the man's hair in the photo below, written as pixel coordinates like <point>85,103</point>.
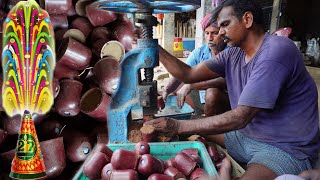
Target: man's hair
<point>240,7</point>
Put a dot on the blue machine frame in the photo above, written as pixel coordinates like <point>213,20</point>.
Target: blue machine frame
<point>129,92</point>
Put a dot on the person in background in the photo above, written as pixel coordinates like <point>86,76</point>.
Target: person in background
<point>211,92</point>
<point>273,126</point>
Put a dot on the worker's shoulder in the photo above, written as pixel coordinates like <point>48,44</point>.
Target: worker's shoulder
<point>279,44</point>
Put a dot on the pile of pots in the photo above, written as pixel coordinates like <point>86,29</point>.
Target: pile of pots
<point>90,43</point>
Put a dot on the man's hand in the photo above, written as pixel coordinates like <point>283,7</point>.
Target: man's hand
<point>165,125</point>
<point>164,95</point>
<point>182,93</point>
<point>311,174</point>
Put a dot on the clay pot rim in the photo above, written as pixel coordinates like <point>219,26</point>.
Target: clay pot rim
<point>71,33</point>
<point>87,110</point>
<point>63,48</point>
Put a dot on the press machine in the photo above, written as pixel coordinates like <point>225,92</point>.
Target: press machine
<point>132,90</point>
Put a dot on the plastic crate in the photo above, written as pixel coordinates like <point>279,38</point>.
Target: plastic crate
<point>170,110</point>
<point>165,151</point>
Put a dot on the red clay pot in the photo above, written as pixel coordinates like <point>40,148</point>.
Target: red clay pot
<point>12,124</point>
<point>59,21</point>
<point>94,103</point>
<point>73,54</point>
<point>3,15</point>
<point>124,33</point>
<point>157,176</point>
<point>93,167</point>
<point>107,72</point>
<point>3,136</point>
<point>98,16</point>
<point>83,24</point>
<point>149,165</point>
<point>71,11</point>
<point>193,153</point>
<point>100,33</point>
<point>104,149</point>
<point>142,148</point>
<point>106,172</point>
<point>203,141</point>
<point>97,46</point>
<point>56,87</point>
<point>77,144</point>
<point>6,159</point>
<point>124,159</point>
<point>173,172</point>
<point>169,162</point>
<point>54,156</point>
<point>75,34</point>
<point>80,7</point>
<point>68,101</point>
<point>198,174</point>
<point>61,71</point>
<point>184,163</point>
<point>51,127</point>
<point>128,174</point>
<point>1,82</point>
<point>57,6</point>
<point>213,153</point>
<point>58,36</point>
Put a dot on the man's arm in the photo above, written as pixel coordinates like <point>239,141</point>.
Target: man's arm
<point>182,71</point>
<point>172,85</point>
<point>232,120</point>
<point>235,119</point>
<point>213,83</point>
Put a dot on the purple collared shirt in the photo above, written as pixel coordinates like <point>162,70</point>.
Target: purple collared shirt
<point>276,80</point>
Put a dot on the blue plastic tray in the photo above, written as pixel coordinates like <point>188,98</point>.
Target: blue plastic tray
<point>164,151</point>
<point>170,110</point>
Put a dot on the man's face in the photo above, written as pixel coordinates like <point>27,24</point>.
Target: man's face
<point>231,28</point>
<point>213,38</point>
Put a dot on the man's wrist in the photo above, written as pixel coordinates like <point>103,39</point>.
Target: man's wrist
<point>182,128</point>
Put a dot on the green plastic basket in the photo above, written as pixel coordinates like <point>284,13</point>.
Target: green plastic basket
<point>164,151</point>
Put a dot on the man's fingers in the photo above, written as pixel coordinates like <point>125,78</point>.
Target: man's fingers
<point>180,100</point>
<point>164,96</point>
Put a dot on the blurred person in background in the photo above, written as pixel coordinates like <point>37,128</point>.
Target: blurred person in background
<point>212,93</point>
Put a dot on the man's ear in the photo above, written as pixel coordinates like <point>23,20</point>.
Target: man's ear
<point>247,19</point>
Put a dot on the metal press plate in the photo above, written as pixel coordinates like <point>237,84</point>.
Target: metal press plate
<point>143,6</point>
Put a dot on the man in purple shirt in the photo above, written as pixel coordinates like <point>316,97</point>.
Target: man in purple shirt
<point>273,126</point>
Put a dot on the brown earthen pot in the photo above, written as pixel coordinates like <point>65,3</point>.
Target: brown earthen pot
<point>94,103</point>
<point>54,156</point>
<point>3,136</point>
<point>57,6</point>
<point>59,21</point>
<point>107,72</point>
<point>77,144</point>
<point>73,54</point>
<point>61,71</point>
<point>67,102</point>
<point>124,33</point>
<point>98,16</point>
<point>128,174</point>
<point>82,24</point>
